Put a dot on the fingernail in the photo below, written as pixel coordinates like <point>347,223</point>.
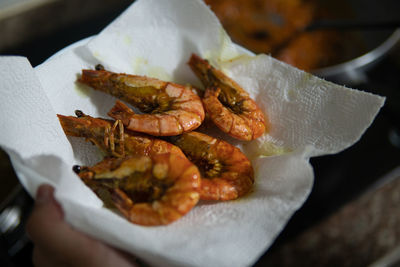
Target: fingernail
<point>44,194</point>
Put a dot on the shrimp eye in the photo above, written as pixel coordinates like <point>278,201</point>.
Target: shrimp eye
<point>76,169</point>
<point>99,67</point>
<point>79,113</point>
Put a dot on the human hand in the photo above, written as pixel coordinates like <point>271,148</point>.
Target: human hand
<point>56,243</point>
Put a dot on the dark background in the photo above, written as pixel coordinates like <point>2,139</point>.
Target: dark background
<point>39,32</point>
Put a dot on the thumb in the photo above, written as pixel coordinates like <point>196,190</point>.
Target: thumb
<point>45,214</point>
<point>57,242</point>
<point>54,237</point>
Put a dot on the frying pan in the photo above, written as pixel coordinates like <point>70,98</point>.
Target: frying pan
<point>374,23</point>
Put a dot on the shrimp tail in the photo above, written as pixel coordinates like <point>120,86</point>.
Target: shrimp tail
<point>200,67</point>
<point>121,200</point>
<point>140,214</point>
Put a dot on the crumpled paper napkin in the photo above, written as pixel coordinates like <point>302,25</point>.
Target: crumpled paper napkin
<point>308,117</point>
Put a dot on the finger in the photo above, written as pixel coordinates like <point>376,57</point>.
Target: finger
<point>57,242</point>
<point>45,214</point>
<point>48,230</point>
<point>41,259</point>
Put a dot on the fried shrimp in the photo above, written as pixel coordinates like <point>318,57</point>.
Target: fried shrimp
<point>150,181</point>
<point>170,108</point>
<point>226,172</point>
<point>228,105</point>
<point>112,139</point>
<point>147,190</point>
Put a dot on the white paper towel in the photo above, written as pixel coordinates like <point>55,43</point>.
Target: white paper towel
<point>308,117</point>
